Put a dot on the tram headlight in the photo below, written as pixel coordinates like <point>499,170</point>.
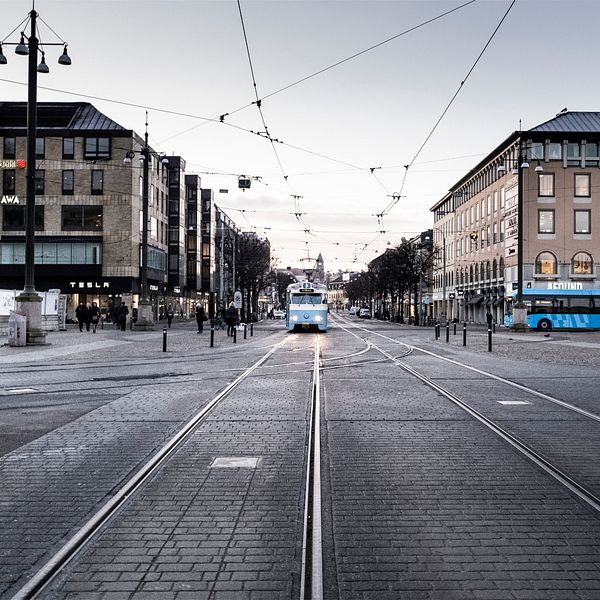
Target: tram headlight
<point>294,317</point>
<point>318,318</point>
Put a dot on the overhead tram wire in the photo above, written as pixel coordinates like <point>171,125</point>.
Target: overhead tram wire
<point>395,199</point>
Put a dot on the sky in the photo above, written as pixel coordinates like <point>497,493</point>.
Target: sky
<point>340,139</point>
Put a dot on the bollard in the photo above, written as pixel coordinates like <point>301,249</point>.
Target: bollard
<point>212,335</point>
<point>437,331</point>
<point>101,323</point>
<point>251,329</point>
<point>489,339</point>
<point>454,327</point>
<point>245,330</point>
<point>164,339</point>
<point>234,334</point>
<point>447,331</point>
<point>465,333</point>
<point>494,327</point>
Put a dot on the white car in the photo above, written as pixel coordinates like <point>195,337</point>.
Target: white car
<point>353,310</point>
<point>279,313</point>
<point>364,313</point>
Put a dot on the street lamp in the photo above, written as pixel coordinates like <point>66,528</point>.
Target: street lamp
<point>145,316</point>
<point>519,308</point>
<point>29,302</point>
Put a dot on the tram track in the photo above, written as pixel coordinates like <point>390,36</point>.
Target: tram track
<point>577,488</point>
<point>311,578</point>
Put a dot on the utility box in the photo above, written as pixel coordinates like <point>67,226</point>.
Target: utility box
<point>17,329</point>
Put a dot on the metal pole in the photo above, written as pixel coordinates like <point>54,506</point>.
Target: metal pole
<point>447,331</point>
<point>489,339</point>
<point>245,326</point>
<point>212,333</point>
<point>251,329</point>
<point>164,339</point>
<point>454,327</point>
<point>444,307</point>
<point>235,334</point>
<point>145,171</point>
<point>31,142</point>
<point>465,333</point>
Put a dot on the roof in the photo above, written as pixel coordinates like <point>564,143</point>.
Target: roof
<point>571,122</point>
<point>78,116</point>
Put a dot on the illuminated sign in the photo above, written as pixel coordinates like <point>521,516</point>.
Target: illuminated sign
<point>88,285</point>
<point>12,164</point>
<point>564,285</point>
<point>9,200</point>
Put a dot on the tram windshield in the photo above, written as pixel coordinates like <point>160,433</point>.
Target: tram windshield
<point>307,299</point>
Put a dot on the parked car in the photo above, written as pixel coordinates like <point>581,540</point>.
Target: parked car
<point>353,310</point>
<point>364,313</point>
<point>279,313</point>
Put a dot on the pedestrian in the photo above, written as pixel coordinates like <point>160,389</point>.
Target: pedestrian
<point>121,316</point>
<point>81,314</point>
<point>200,317</point>
<point>94,314</point>
<point>170,315</point>
<point>489,319</point>
<point>231,318</point>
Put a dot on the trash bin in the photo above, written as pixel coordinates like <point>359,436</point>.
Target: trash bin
<point>17,329</point>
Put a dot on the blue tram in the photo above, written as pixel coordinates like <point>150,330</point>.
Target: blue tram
<point>306,305</point>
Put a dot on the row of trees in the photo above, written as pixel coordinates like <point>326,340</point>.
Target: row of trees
<point>393,284</point>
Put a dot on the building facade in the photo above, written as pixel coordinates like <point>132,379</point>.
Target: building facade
<point>476,224</point>
<point>88,216</point>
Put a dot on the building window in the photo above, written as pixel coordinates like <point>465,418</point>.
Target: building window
<point>546,221</point>
<point>582,185</point>
<point>555,151</point>
<point>591,153</point>
<point>582,221</point>
<point>545,264</point>
<point>536,151</point>
<point>40,177</point>
<point>501,231</point>
<point>573,154</point>
<point>96,147</point>
<point>495,233</point>
<point>97,181</point>
<point>8,182</point>
<point>582,264</point>
<point>40,147</point>
<point>68,148</point>
<point>68,183</point>
<point>13,217</point>
<point>53,253</point>
<point>546,184</point>
<point>10,147</point>
<point>82,218</point>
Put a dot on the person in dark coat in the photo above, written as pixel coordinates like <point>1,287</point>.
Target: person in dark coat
<point>231,317</point>
<point>82,316</point>
<point>121,313</point>
<point>200,317</point>
<point>94,316</point>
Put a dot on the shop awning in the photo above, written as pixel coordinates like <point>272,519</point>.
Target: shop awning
<point>476,299</point>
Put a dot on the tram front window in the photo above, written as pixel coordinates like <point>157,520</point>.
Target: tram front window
<point>306,299</point>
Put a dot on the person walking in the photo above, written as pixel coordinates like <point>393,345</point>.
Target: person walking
<point>170,315</point>
<point>94,314</point>
<point>231,317</point>
<point>121,316</point>
<point>200,317</point>
<point>82,314</point>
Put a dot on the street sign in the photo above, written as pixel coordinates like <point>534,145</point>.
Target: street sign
<point>237,299</point>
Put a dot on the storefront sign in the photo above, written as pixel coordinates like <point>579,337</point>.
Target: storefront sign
<point>12,164</point>
<point>564,285</point>
<point>89,285</point>
<point>9,200</point>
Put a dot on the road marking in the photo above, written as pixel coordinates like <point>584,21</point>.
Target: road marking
<point>235,462</point>
<point>513,402</point>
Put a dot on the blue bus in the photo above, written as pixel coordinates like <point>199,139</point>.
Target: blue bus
<point>549,309</point>
<point>306,306</point>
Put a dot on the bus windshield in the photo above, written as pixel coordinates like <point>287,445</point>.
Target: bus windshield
<point>307,299</point>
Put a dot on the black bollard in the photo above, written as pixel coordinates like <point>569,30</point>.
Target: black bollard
<point>489,339</point>
<point>437,331</point>
<point>494,327</point>
<point>234,334</point>
<point>245,330</point>
<point>164,339</point>
<point>212,335</point>
<point>465,333</point>
<point>251,329</point>
<point>454,327</point>
<point>447,331</point>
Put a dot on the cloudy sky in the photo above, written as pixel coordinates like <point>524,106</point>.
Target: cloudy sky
<point>341,138</point>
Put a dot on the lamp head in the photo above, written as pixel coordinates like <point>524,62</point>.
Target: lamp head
<point>539,168</point>
<point>64,58</point>
<point>2,57</point>
<point>524,165</point>
<point>43,67</point>
<point>22,47</point>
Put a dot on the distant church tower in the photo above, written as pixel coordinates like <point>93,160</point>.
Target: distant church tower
<point>319,269</point>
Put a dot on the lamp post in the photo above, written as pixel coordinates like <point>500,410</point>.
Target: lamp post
<point>145,316</point>
<point>28,301</point>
